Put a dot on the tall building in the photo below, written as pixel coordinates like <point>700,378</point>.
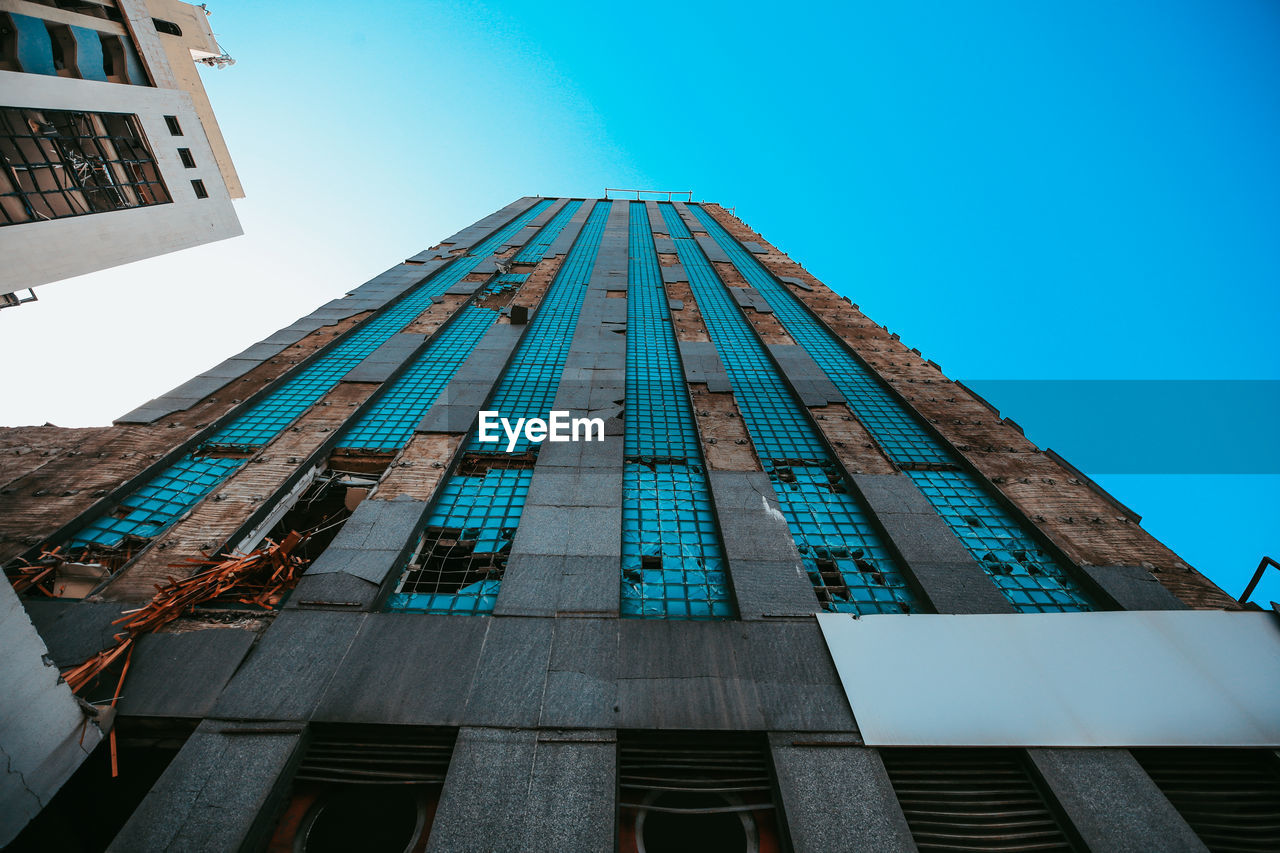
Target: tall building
<point>602,525</point>
<point>109,149</point>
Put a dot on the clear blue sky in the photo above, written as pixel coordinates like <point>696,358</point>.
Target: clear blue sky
<point>1023,191</point>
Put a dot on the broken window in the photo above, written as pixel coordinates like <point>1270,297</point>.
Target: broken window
<point>55,164</point>
<point>673,565</point>
<point>702,792</point>
<point>462,554</point>
<point>169,28</point>
<point>848,562</point>
<point>368,788</point>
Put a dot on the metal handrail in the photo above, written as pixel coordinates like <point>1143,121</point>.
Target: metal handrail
<point>1257,576</point>
<point>668,193</point>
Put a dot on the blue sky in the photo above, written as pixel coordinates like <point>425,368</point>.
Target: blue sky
<point>1022,191</point>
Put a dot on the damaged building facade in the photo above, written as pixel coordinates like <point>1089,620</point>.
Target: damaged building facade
<point>109,149</point>
<point>806,594</point>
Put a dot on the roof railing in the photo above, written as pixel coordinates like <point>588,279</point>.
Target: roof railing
<point>1257,576</point>
<point>670,194</point>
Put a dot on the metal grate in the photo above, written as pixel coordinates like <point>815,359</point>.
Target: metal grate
<point>1034,582</point>
<point>463,553</point>
<point>672,563</point>
<point>266,419</point>
<point>829,524</point>
<point>696,786</point>
<point>377,755</point>
<point>973,799</point>
<point>1230,797</point>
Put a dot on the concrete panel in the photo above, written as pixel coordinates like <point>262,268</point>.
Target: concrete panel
<point>507,690</point>
<point>702,363</point>
<point>1153,678</point>
<point>768,577</point>
<point>406,668</point>
<point>1134,588</point>
<point>571,802</point>
<point>218,794</point>
<point>380,364</point>
<point>581,689</point>
<point>805,376</point>
<point>837,796</point>
<point>486,792</point>
<point>1112,802</point>
<point>291,667</point>
<point>181,675</point>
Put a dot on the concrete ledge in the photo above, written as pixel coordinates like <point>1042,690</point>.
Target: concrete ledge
<point>702,363</point>
<point>1134,588</point>
<point>805,376</point>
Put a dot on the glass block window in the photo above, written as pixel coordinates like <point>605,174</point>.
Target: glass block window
<point>1032,579</point>
<point>56,164</point>
<point>536,248</point>
<point>528,386</point>
<point>461,556</point>
<point>154,506</point>
<point>850,567</point>
<point>1027,575</point>
<point>266,419</point>
<point>673,566</point>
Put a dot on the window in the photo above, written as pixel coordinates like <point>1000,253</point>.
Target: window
<point>174,128</point>
<point>56,163</point>
<point>187,159</point>
<point>64,50</point>
<point>167,27</point>
<point>114,63</point>
<point>8,45</point>
<point>198,186</point>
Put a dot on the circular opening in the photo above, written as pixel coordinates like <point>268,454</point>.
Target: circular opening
<point>373,819</point>
<point>673,832</point>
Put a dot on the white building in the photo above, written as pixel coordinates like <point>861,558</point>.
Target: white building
<point>109,150</point>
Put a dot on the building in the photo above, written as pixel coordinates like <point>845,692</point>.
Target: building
<point>109,150</point>
<point>790,589</point>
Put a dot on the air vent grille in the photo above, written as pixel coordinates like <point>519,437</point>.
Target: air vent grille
<point>378,755</point>
<point>973,799</point>
<point>1231,797</point>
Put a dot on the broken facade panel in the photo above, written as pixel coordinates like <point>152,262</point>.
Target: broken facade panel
<point>340,607</point>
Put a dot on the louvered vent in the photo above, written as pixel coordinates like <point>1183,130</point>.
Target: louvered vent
<point>365,788</point>
<point>698,791</point>
<point>378,754</point>
<point>1231,797</point>
<point>973,799</point>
